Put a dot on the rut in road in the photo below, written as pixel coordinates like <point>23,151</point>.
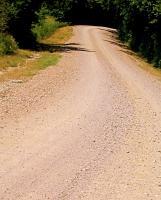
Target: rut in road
<point>89,128</point>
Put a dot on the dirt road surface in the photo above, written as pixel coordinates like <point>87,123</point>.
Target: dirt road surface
<point>89,128</point>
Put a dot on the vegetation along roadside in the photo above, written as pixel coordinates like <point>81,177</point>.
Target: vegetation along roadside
<point>23,63</point>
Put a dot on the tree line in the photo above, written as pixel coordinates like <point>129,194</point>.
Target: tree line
<point>138,21</point>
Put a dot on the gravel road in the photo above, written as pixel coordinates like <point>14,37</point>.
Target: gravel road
<point>88,128</point>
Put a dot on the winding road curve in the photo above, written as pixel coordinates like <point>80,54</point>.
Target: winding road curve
<point>89,128</point>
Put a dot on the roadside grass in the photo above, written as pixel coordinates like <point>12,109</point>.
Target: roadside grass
<point>150,68</point>
<point>11,61</point>
<point>144,64</point>
<point>61,36</point>
<point>30,67</point>
<point>45,60</point>
<point>26,63</point>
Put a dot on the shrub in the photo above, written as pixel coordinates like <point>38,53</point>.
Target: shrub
<point>45,27</point>
<point>7,44</point>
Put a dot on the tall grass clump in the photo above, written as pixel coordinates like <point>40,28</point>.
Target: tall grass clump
<point>45,27</point>
<point>8,44</point>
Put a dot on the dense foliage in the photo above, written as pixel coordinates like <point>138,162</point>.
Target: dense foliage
<point>138,21</point>
<point>45,27</point>
<point>140,27</point>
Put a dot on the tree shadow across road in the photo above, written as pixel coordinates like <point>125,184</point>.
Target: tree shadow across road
<point>117,43</point>
<point>109,30</point>
<point>60,48</point>
<point>113,38</point>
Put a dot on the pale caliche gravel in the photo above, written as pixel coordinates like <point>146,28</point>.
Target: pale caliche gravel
<point>88,128</point>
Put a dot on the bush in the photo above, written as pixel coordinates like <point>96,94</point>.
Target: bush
<point>7,44</point>
<point>45,27</point>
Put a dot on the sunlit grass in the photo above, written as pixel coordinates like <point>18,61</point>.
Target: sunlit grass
<point>143,63</point>
<point>46,59</point>
<point>60,36</point>
<point>15,60</point>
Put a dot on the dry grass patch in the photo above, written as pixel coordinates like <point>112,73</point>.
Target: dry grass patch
<point>12,61</point>
<point>61,36</point>
<point>143,63</point>
<point>30,67</point>
<point>149,68</point>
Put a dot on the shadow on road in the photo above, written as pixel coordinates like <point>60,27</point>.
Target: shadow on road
<point>123,48</point>
<point>114,40</point>
<point>60,47</point>
<point>109,30</point>
<point>117,43</point>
